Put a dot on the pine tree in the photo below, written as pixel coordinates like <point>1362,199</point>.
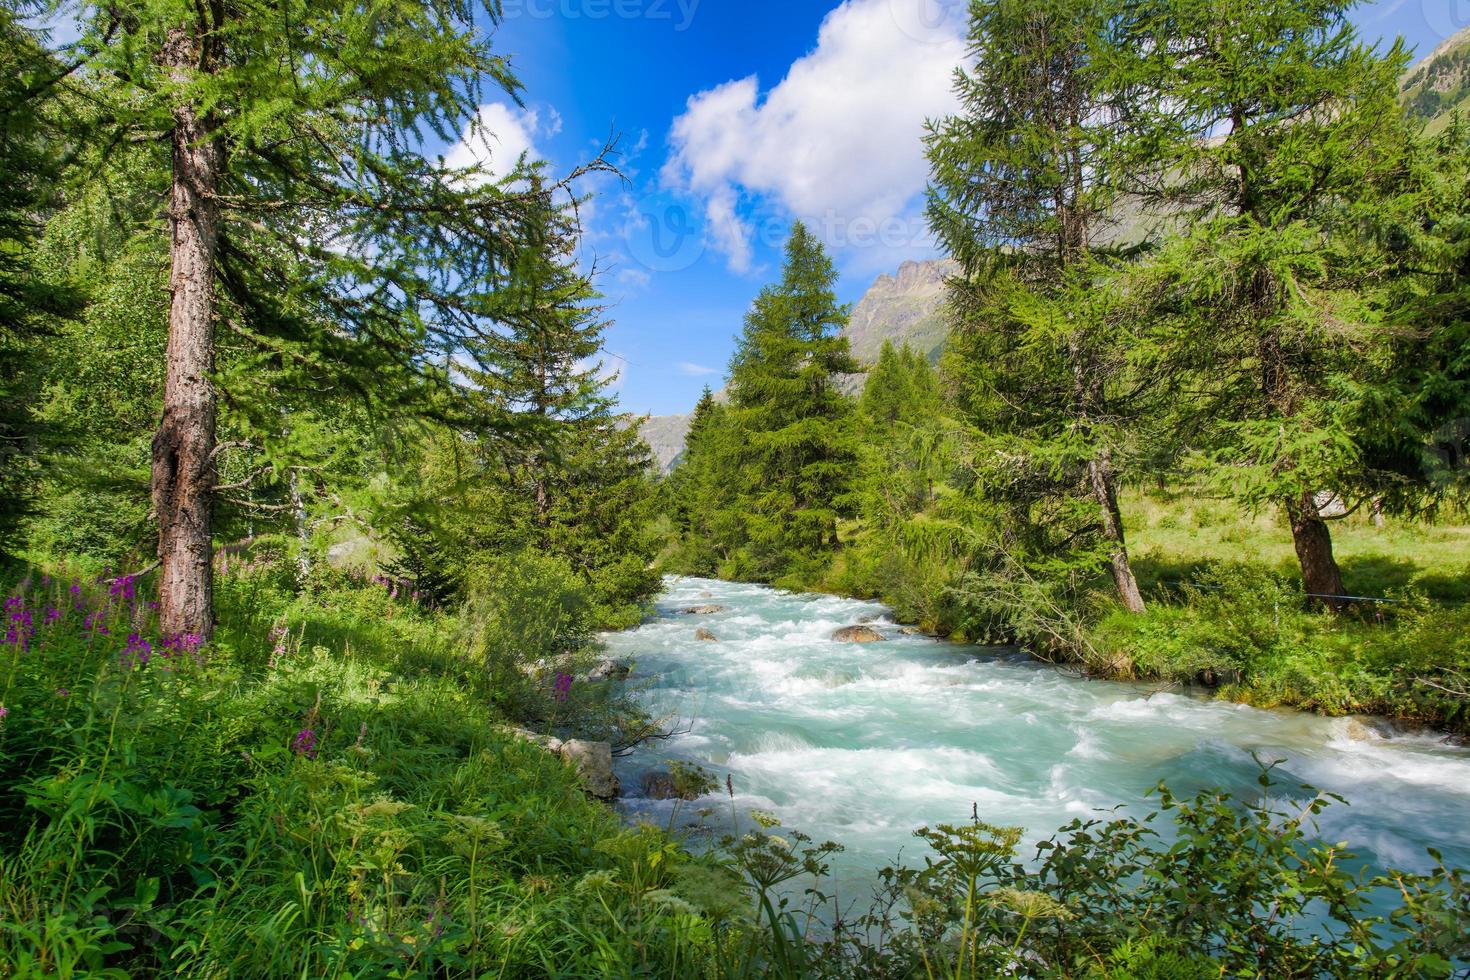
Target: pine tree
<point>301,215</point>
<point>1022,184</point>
<point>794,421</point>
<point>563,471</point>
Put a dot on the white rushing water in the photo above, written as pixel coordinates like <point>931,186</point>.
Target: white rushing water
<point>864,743</point>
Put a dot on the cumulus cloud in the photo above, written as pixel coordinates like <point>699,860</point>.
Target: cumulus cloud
<point>837,142</point>
<point>496,138</point>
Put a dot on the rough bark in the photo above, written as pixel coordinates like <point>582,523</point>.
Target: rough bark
<point>1105,489</point>
<point>1320,573</point>
<point>183,448</point>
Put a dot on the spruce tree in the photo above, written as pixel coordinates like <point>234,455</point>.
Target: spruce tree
<point>794,420</point>
<point>30,300</point>
<point>301,214</point>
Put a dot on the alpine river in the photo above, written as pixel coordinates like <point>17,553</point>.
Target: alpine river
<point>863,743</point>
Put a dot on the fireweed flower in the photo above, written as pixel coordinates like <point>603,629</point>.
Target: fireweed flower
<point>139,651</point>
<point>123,588</point>
<point>96,624</point>
<point>3,712</point>
<point>19,628</point>
<point>304,743</point>
<point>52,615</point>
<point>563,686</point>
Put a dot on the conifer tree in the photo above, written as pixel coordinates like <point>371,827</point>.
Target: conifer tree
<point>1022,184</point>
<point>702,489</point>
<point>1268,122</point>
<point>794,420</point>
<point>301,215</point>
<point>29,299</point>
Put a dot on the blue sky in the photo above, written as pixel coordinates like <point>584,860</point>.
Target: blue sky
<point>734,117</point>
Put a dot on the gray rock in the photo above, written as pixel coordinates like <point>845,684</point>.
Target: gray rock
<point>858,634</point>
<point>610,670</point>
<point>593,761</point>
<point>661,786</point>
<point>548,742</point>
<point>705,610</point>
<point>705,635</point>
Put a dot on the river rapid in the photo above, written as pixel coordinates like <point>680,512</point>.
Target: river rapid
<point>862,744</point>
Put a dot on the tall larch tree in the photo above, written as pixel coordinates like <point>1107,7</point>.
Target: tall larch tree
<point>1269,126</point>
<point>301,214</point>
<point>1021,191</point>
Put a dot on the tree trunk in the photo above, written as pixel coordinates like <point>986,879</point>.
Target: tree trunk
<point>1313,539</point>
<point>303,533</point>
<point>183,448</point>
<point>1104,488</point>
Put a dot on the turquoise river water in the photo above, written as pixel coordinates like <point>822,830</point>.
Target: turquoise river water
<point>864,743</point>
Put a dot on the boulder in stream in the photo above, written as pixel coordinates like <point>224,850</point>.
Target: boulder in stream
<point>610,670</point>
<point>705,635</point>
<point>593,761</point>
<point>858,634</point>
<point>662,786</point>
<point>702,610</point>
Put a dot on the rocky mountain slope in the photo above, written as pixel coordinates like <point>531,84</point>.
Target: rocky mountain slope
<point>1440,84</point>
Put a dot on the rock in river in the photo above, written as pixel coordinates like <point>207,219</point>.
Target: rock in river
<point>705,610</point>
<point>705,635</point>
<point>857,634</point>
<point>661,786</point>
<point>610,670</point>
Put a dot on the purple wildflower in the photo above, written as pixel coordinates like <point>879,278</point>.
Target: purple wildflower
<point>3,712</point>
<point>52,615</point>
<point>304,743</point>
<point>62,692</point>
<point>563,687</point>
<point>19,628</point>
<point>123,588</point>
<point>139,651</point>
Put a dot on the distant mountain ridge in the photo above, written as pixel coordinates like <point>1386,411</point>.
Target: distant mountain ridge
<point>1439,85</point>
<point>905,307</point>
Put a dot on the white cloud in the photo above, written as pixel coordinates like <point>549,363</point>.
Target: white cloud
<point>837,142</point>
<point>496,138</point>
<point>636,278</point>
<point>695,370</point>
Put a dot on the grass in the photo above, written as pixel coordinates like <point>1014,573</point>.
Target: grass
<point>1172,539</point>
<point>328,790</point>
<point>1227,611</point>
